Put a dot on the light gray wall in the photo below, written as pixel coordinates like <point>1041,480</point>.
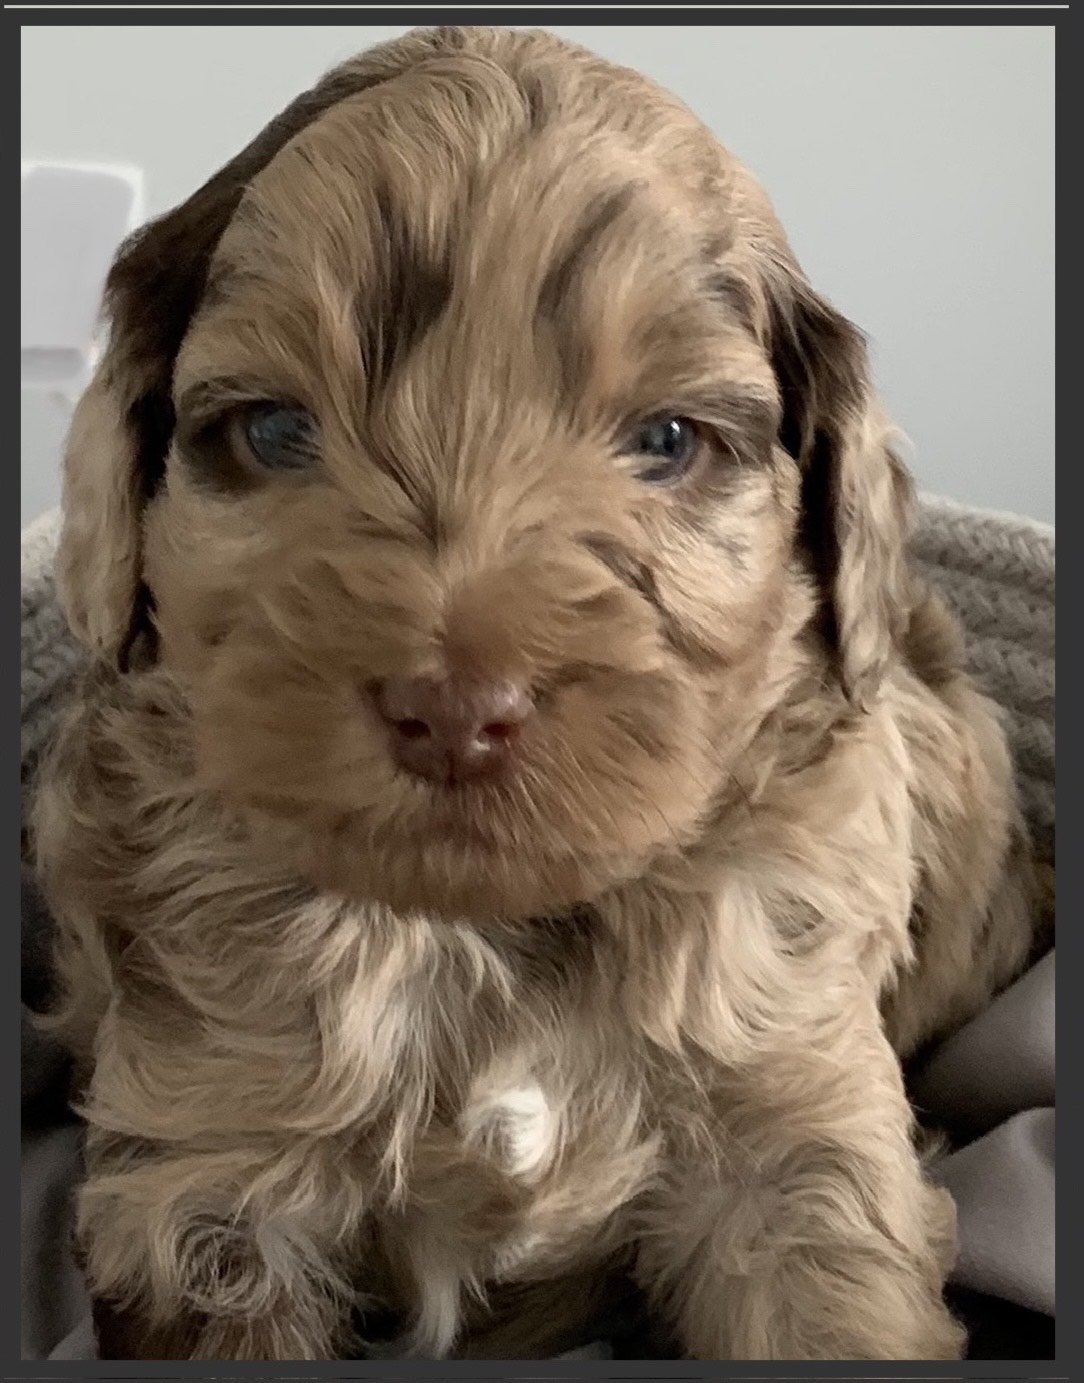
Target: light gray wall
<point>913,168</point>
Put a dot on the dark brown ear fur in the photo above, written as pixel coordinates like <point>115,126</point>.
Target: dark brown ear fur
<point>856,493</point>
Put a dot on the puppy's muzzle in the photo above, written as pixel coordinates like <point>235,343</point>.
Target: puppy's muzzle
<point>452,730</point>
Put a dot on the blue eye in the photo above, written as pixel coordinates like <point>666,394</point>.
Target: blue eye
<point>281,438</point>
<point>669,446</point>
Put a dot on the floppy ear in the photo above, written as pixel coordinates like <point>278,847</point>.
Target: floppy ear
<point>122,427</point>
<point>856,493</point>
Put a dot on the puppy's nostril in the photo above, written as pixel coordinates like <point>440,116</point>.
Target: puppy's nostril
<point>412,729</point>
<point>498,730</point>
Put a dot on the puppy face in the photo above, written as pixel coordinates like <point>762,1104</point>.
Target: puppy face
<point>493,416</point>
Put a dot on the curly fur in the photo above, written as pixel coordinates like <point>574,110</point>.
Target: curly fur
<point>351,1043</point>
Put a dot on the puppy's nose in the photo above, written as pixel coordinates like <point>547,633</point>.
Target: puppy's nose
<point>451,730</point>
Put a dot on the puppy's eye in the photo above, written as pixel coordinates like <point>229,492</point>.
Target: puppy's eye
<point>668,446</point>
<point>281,438</point>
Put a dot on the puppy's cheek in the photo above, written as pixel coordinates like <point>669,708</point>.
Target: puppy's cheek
<point>273,733</point>
<point>194,623</point>
<point>635,770</point>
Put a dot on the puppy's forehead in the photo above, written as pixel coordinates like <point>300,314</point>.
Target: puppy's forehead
<point>466,201</point>
<point>456,160</point>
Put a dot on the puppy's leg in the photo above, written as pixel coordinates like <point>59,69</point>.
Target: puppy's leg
<point>216,1253</point>
<point>802,1228</point>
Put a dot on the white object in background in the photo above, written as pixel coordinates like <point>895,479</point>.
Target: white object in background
<point>73,218</point>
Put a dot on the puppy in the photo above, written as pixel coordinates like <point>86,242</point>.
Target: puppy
<point>522,807</point>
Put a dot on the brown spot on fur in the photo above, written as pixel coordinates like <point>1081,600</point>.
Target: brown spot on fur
<point>538,100</point>
<point>638,576</point>
<point>577,255</point>
<point>733,293</point>
<point>409,291</point>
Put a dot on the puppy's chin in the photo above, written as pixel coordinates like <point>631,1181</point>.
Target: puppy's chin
<point>455,865</point>
<point>453,880</point>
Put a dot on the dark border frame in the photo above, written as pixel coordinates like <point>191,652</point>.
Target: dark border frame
<point>1022,12</point>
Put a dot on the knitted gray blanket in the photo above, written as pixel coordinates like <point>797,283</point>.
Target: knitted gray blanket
<point>991,1085</point>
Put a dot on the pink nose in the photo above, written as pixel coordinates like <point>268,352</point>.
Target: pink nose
<point>451,730</point>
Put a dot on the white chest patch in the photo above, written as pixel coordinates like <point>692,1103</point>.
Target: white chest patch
<point>513,1124</point>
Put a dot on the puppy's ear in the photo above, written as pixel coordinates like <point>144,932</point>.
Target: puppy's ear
<point>98,559</point>
<point>856,493</point>
<point>122,428</point>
